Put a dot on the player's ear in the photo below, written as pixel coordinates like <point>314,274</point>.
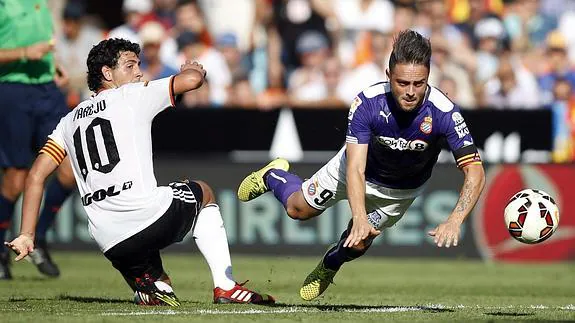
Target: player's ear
<point>107,72</point>
<point>387,74</point>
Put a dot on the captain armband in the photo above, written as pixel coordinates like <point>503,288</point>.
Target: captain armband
<point>467,155</point>
<point>54,150</point>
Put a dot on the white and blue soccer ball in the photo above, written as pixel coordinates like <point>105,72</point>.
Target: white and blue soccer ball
<point>531,216</point>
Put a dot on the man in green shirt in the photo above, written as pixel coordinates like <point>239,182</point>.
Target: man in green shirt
<point>30,108</point>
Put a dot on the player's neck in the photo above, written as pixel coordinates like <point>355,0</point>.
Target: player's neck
<point>107,86</point>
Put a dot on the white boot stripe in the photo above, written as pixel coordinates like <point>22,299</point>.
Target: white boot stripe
<point>248,296</point>
<point>241,297</point>
<point>236,293</point>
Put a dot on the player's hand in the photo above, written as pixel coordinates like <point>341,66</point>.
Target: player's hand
<point>61,78</point>
<point>360,230</point>
<point>447,233</point>
<point>37,51</point>
<point>22,246</point>
<point>188,65</point>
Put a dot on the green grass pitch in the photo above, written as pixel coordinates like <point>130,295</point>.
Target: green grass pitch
<point>370,289</point>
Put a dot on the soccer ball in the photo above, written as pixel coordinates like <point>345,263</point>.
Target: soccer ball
<point>531,216</point>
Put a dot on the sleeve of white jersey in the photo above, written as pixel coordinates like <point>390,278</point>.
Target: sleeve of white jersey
<point>153,96</point>
<point>55,146</point>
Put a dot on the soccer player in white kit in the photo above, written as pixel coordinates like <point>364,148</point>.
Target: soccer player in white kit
<point>108,139</point>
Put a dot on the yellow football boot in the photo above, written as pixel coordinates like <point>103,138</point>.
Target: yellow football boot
<point>253,185</point>
<point>317,282</point>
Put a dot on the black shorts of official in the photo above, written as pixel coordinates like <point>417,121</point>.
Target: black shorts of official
<point>28,114</point>
<point>140,254</point>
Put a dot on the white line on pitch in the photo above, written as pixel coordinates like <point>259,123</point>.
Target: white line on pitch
<point>271,311</point>
<point>295,309</point>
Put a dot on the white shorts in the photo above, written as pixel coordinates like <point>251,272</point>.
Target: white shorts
<point>384,206</point>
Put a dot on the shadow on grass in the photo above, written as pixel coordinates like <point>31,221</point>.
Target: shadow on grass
<point>365,308</point>
<point>102,300</point>
<point>509,314</point>
<point>24,299</point>
<point>35,278</point>
<point>79,299</point>
<point>82,299</point>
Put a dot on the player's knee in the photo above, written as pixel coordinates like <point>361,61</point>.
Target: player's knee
<point>293,213</point>
<point>207,193</point>
<point>298,209</point>
<point>297,213</point>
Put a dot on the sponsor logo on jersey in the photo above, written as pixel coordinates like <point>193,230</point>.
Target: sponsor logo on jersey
<point>492,238</point>
<point>103,193</point>
<point>460,125</point>
<point>426,125</point>
<point>457,118</point>
<point>354,105</point>
<point>461,130</point>
<point>385,115</point>
<point>403,144</point>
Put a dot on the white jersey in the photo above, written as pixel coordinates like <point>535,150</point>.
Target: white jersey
<point>108,139</point>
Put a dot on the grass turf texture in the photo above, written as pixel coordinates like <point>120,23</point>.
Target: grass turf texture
<point>370,289</point>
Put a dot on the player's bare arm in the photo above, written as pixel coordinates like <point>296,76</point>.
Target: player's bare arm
<point>447,233</point>
<point>43,166</point>
<point>355,178</point>
<point>33,52</point>
<point>191,77</point>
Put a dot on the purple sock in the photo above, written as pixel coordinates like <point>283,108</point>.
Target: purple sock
<point>338,255</point>
<point>282,184</point>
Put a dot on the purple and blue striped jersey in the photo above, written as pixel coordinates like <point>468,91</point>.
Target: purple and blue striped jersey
<point>404,146</point>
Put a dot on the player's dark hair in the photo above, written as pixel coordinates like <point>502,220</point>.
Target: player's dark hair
<point>106,53</point>
<point>410,47</point>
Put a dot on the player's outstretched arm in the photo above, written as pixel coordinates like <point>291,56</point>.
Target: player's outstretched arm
<point>355,179</point>
<point>33,191</point>
<point>191,77</point>
<point>447,233</point>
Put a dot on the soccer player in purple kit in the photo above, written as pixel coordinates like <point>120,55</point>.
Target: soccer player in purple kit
<point>393,139</point>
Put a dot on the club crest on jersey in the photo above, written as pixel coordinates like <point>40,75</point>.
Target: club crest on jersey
<point>375,219</point>
<point>311,189</point>
<point>426,125</point>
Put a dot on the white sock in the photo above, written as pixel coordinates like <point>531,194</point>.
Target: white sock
<point>211,239</point>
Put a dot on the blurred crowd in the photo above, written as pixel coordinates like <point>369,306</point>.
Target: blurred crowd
<point>504,54</point>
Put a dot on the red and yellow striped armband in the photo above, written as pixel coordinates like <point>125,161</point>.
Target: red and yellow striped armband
<point>469,159</point>
<point>54,150</point>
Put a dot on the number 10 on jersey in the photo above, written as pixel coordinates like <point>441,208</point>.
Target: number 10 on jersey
<point>98,136</point>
